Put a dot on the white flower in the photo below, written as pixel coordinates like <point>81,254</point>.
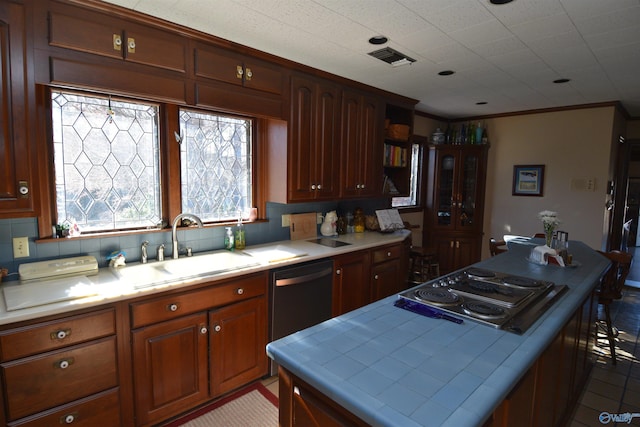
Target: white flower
<point>549,220</point>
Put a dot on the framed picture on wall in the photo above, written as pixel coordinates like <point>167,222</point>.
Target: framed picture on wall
<point>528,180</point>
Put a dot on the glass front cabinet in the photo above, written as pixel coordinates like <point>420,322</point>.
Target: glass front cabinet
<point>455,203</point>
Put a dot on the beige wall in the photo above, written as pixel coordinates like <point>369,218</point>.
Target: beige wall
<point>572,145</point>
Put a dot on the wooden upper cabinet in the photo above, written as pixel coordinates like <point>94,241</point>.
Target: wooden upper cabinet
<point>313,139</point>
<point>96,33</point>
<point>212,62</point>
<point>16,179</point>
<point>361,153</point>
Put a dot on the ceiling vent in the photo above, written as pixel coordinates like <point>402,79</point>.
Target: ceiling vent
<point>392,56</point>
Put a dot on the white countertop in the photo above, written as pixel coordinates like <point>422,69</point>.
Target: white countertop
<point>111,286</point>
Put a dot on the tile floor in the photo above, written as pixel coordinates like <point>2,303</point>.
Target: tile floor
<point>615,389</point>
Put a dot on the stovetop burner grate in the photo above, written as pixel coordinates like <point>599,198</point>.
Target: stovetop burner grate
<point>438,296</point>
<point>483,310</point>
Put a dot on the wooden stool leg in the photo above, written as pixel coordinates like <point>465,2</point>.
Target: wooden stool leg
<point>610,335</point>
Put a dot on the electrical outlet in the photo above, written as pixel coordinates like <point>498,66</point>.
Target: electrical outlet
<point>286,220</point>
<point>20,247</point>
<point>319,218</point>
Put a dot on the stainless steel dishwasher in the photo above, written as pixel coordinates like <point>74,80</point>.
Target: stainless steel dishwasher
<point>300,297</point>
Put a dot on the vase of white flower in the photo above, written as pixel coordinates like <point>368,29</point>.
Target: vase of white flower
<point>550,222</point>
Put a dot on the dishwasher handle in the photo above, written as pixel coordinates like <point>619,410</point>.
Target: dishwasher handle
<point>306,278</point>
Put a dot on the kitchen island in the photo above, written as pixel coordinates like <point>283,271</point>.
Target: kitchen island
<point>380,365</point>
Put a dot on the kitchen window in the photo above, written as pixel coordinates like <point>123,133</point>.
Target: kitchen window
<point>108,172</point>
<point>106,159</point>
<point>215,165</point>
<point>412,199</point>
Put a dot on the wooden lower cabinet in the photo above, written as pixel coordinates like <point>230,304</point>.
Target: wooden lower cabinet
<point>389,271</point>
<point>351,287</point>
<point>366,276</point>
<point>184,355</point>
<point>61,371</point>
<point>170,367</point>
<point>455,252</point>
<point>546,395</point>
<point>238,340</point>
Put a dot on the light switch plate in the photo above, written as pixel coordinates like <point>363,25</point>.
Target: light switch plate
<point>20,247</point>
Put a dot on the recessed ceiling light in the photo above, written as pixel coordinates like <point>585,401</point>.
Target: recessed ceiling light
<point>446,73</point>
<point>378,40</point>
<point>481,103</point>
<point>562,81</point>
<point>500,1</point>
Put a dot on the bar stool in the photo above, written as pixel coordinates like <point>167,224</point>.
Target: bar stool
<point>423,264</point>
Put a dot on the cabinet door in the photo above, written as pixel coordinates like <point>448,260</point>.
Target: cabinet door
<point>301,161</point>
<point>15,162</point>
<point>455,252</point>
<point>387,279</point>
<point>351,284</point>
<point>457,193</point>
<point>226,66</point>
<point>361,146</point>
<point>91,32</point>
<point>238,340</point>
<point>170,367</point>
<point>313,140</point>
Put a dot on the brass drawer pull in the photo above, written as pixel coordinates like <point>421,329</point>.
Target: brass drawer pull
<point>117,42</point>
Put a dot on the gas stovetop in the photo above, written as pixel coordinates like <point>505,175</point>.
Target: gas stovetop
<point>496,299</point>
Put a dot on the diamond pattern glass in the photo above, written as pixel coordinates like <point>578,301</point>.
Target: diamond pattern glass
<point>106,164</point>
<point>215,154</point>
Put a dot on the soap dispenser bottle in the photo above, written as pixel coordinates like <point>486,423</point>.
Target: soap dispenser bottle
<point>239,240</point>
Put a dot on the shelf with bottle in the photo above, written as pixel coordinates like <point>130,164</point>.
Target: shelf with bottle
<point>470,133</point>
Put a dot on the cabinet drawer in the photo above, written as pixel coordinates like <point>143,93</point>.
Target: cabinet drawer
<point>169,307</point>
<point>28,340</point>
<point>387,253</point>
<point>102,409</point>
<point>55,378</point>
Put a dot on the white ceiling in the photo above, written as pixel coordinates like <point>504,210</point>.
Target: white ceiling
<point>504,55</point>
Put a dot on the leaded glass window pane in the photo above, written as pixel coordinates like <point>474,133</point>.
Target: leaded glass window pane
<point>215,157</point>
<point>106,158</point>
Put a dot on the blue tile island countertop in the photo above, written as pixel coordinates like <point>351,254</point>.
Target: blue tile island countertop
<point>392,367</point>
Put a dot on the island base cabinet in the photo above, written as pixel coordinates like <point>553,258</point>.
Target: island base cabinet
<point>302,405</point>
<point>549,390</point>
<point>544,396</point>
<point>171,367</point>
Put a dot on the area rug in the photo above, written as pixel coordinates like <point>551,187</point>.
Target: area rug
<point>253,406</point>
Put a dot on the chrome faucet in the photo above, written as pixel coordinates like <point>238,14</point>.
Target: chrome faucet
<point>174,232</point>
<point>143,249</point>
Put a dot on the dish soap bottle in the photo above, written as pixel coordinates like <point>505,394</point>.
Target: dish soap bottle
<point>239,240</point>
<point>229,243</point>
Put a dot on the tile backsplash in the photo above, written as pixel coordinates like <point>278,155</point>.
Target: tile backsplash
<point>200,240</point>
